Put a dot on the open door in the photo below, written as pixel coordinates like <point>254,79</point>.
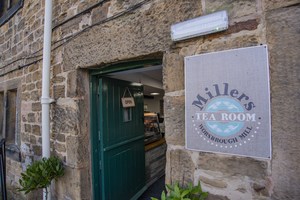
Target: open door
<point>122,154</point>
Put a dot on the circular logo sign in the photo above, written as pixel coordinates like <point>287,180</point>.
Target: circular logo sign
<point>229,109</point>
<point>224,117</point>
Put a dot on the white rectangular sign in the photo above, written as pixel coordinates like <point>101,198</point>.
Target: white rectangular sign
<point>128,102</point>
<point>228,102</point>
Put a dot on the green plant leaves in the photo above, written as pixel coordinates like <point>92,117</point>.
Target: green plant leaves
<point>175,192</point>
<point>40,174</point>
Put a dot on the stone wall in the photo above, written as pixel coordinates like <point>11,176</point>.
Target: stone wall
<point>21,41</point>
<point>233,177</point>
<point>284,44</point>
<point>94,34</point>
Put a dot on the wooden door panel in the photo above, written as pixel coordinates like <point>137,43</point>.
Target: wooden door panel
<point>124,174</point>
<point>122,141</point>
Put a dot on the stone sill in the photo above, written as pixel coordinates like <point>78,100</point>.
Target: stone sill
<point>13,152</point>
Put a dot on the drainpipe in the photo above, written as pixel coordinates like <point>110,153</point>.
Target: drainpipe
<point>45,99</point>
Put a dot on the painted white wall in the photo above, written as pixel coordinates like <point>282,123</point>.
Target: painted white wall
<point>153,104</point>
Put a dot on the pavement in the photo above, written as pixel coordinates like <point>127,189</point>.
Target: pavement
<point>154,190</point>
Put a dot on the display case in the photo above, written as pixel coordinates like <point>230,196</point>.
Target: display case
<point>151,128</point>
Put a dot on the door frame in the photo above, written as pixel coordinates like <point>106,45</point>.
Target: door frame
<point>96,116</point>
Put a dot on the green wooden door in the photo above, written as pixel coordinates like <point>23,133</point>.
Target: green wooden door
<point>122,154</point>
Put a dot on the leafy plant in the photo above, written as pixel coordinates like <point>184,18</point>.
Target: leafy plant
<point>40,173</point>
<point>175,192</point>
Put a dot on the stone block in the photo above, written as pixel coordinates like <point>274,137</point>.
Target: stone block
<point>36,106</point>
<point>262,189</point>
<point>100,13</point>
<point>65,119</point>
<point>20,47</point>
<point>27,128</point>
<point>235,9</point>
<point>36,45</point>
<point>38,85</point>
<point>71,26</point>
<point>36,130</point>
<point>37,150</point>
<point>28,78</point>
<point>40,140</point>
<point>39,33</point>
<point>136,40</point>
<point>25,96</point>
<point>30,87</point>
<point>37,75</point>
<point>58,79</point>
<point>56,69</point>
<point>1,39</point>
<point>60,137</point>
<point>56,58</point>
<point>77,150</point>
<point>25,138</point>
<point>32,140</point>
<point>249,25</point>
<point>173,70</point>
<point>60,147</point>
<point>57,10</point>
<point>75,184</point>
<point>239,40</point>
<point>174,120</point>
<point>21,25</point>
<point>58,91</point>
<point>75,86</point>
<point>274,4</point>
<point>283,38</point>
<point>37,6</point>
<point>216,197</point>
<point>33,68</point>
<point>35,95</point>
<point>213,182</point>
<point>16,39</point>
<point>233,165</point>
<point>31,117</point>
<point>117,6</point>
<point>240,186</point>
<point>181,167</point>
<point>36,24</point>
<point>14,50</point>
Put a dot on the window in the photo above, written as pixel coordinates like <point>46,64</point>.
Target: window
<point>8,8</point>
<point>9,119</point>
<point>11,100</point>
<point>127,114</point>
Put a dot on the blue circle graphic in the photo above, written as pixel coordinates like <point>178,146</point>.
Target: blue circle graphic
<point>228,105</point>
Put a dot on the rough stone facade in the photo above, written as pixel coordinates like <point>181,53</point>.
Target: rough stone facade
<point>93,34</point>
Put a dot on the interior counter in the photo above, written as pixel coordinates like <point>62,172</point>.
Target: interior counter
<point>155,160</point>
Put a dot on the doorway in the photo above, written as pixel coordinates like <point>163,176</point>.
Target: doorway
<point>128,146</point>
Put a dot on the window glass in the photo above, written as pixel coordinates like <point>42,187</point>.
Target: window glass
<point>8,8</point>
<point>3,7</point>
<point>11,116</point>
<point>127,114</point>
<point>13,3</point>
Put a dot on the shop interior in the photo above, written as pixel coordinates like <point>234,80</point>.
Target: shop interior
<point>154,128</point>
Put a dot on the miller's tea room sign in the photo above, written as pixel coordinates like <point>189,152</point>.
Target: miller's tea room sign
<point>228,102</point>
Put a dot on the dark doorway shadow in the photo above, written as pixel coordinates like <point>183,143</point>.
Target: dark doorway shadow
<point>154,190</point>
